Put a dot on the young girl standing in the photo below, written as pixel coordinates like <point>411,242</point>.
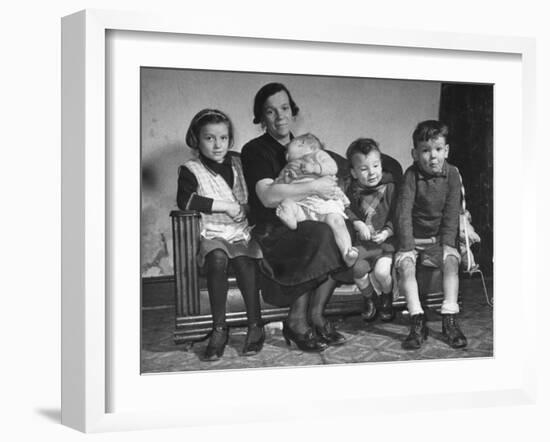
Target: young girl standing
<point>213,184</point>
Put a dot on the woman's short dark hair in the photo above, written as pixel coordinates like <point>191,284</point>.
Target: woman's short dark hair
<point>363,146</point>
<point>204,117</point>
<point>429,130</point>
<point>264,93</point>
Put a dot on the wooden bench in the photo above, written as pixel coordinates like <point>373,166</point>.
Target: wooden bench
<point>193,319</point>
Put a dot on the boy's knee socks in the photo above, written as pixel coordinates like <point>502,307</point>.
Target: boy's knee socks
<point>449,308</point>
<point>414,306</point>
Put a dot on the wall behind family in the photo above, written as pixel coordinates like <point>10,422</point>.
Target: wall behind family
<point>336,109</point>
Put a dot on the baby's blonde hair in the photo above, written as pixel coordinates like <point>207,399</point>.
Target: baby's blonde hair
<point>310,140</point>
<point>303,145</point>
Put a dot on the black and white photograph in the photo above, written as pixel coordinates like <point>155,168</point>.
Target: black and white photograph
<point>300,220</point>
<point>275,221</point>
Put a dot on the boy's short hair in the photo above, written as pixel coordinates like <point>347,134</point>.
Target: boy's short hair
<point>429,130</point>
<point>364,146</point>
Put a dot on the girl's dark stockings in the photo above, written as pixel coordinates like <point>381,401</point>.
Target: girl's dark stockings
<point>245,271</point>
<point>216,282</point>
<point>216,277</point>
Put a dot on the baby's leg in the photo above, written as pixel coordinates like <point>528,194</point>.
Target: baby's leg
<point>341,235</point>
<point>290,213</point>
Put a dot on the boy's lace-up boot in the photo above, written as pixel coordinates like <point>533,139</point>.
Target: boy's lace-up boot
<point>451,331</point>
<point>387,313</point>
<point>418,333</point>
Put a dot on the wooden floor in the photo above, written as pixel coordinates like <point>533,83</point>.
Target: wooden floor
<point>372,342</point>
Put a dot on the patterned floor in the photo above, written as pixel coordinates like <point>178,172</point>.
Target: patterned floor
<point>372,342</point>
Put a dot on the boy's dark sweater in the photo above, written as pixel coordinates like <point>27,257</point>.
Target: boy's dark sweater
<point>428,205</point>
<point>383,216</point>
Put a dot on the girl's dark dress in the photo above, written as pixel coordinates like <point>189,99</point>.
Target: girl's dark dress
<point>295,261</point>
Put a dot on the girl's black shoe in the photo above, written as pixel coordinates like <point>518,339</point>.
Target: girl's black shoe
<point>255,338</point>
<point>328,334</point>
<point>305,342</point>
<point>216,345</point>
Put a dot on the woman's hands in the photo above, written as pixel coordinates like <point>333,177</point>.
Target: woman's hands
<point>271,193</point>
<point>325,187</point>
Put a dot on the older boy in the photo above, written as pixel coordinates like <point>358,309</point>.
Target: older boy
<point>427,211</point>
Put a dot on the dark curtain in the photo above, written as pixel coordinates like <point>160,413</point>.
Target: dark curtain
<point>468,111</point>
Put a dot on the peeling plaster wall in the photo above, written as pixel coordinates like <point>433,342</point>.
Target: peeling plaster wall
<point>337,110</point>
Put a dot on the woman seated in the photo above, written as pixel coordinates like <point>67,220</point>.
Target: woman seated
<point>298,265</point>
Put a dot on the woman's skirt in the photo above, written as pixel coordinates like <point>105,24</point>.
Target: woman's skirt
<point>295,261</point>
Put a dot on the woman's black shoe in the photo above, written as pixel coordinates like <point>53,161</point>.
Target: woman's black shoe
<point>369,314</point>
<point>386,311</point>
<point>216,345</point>
<point>254,342</point>
<point>305,342</point>
<point>328,334</point>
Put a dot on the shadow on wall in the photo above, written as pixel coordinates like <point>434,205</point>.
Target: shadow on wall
<point>159,171</point>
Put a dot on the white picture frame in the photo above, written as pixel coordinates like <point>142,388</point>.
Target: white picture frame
<point>87,310</point>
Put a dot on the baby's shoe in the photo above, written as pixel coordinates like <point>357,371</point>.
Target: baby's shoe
<point>351,256</point>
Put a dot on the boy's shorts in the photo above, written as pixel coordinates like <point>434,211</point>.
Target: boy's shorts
<point>370,252</point>
<point>433,255</point>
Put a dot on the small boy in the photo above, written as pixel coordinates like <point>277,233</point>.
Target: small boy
<point>372,194</point>
<point>428,207</point>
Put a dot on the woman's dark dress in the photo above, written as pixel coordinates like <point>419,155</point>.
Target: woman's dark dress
<point>296,260</point>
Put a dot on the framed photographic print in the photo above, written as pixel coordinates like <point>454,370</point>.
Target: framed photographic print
<point>339,111</point>
<point>136,308</point>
